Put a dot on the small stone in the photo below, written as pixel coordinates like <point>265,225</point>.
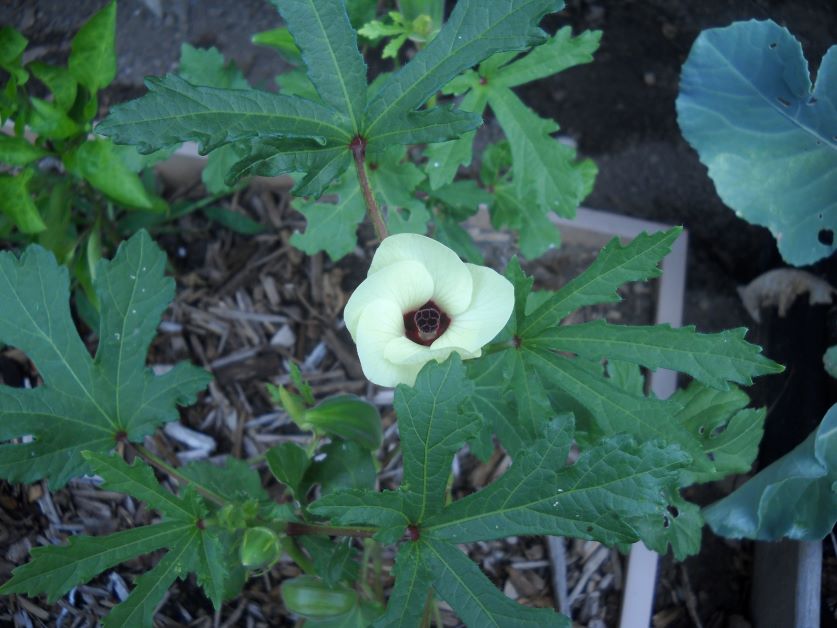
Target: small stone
<point>283,338</point>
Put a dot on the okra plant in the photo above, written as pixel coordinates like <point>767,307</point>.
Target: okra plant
<point>478,358</point>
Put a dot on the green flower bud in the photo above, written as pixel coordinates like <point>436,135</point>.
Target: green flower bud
<point>259,548</point>
<point>310,597</point>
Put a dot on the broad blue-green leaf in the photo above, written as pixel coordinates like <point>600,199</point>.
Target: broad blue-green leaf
<point>768,139</point>
<point>207,66</point>
<point>16,151</point>
<point>16,202</point>
<point>435,418</point>
<point>85,403</point>
<point>93,56</point>
<point>97,163</point>
<point>405,608</point>
<point>615,265</point>
<point>59,80</point>
<point>54,570</point>
<point>604,495</point>
<point>560,52</point>
<point>474,31</point>
<point>151,587</point>
<point>795,497</point>
<point>829,360</point>
<point>213,575</point>
<point>332,226</point>
<point>175,111</point>
<point>714,359</point>
<point>328,45</point>
<point>474,597</point>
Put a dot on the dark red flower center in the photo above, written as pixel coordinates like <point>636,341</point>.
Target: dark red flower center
<point>426,324</point>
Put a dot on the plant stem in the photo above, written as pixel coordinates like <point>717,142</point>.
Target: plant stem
<point>165,467</point>
<point>358,148</point>
<point>296,528</point>
<point>294,551</point>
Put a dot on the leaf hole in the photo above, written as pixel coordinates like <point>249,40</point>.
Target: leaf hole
<point>773,45</point>
<point>812,101</point>
<point>826,236</point>
<point>718,430</point>
<point>711,456</point>
<point>783,101</point>
<point>701,429</point>
<point>589,529</point>
<point>673,511</point>
<point>666,521</point>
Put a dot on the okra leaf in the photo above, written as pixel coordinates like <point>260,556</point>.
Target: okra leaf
<point>604,495</point>
<point>175,111</point>
<point>541,163</point>
<point>714,359</point>
<point>328,45</point>
<point>476,600</point>
<point>138,480</point>
<point>332,225</point>
<point>207,66</point>
<point>139,608</point>
<point>435,418</point>
<point>85,403</point>
<point>405,608</point>
<point>560,52</point>
<point>474,31</point>
<point>615,265</point>
<point>54,570</point>
<point>728,431</point>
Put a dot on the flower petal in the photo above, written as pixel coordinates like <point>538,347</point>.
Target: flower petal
<point>406,284</point>
<point>489,311</point>
<point>380,324</point>
<point>404,351</point>
<point>451,279</point>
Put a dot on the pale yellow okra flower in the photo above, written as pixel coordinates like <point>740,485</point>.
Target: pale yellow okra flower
<point>420,302</point>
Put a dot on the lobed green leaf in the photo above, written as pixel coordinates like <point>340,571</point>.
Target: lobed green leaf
<point>328,45</point>
<point>85,403</point>
<point>615,265</point>
<point>175,111</point>
<point>714,359</point>
<point>92,52</point>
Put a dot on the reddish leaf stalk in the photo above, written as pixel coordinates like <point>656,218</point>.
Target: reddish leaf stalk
<point>358,148</point>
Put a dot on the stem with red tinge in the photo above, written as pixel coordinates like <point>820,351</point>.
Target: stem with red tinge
<point>358,148</point>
